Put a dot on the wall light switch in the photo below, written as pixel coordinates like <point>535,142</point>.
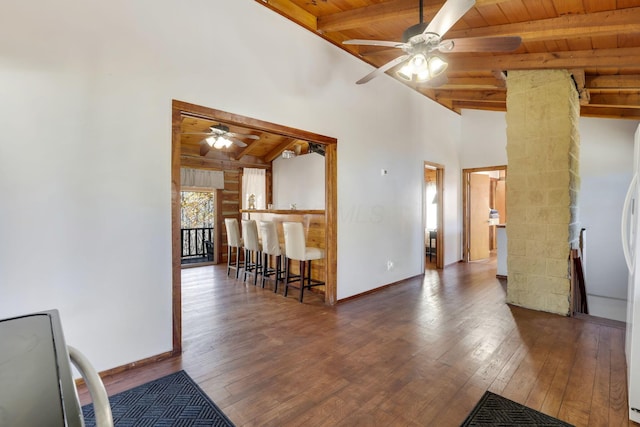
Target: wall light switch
<point>383,172</point>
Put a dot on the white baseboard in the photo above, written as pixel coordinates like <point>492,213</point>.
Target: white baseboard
<point>608,308</point>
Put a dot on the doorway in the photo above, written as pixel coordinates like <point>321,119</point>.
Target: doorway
<point>329,145</point>
<point>484,208</point>
<point>433,214</point>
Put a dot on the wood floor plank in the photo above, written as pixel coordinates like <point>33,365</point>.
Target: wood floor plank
<point>421,352</point>
<point>618,406</point>
<point>576,401</point>
<point>599,411</point>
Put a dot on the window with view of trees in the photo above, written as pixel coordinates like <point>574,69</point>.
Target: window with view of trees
<point>197,217</point>
<point>196,209</point>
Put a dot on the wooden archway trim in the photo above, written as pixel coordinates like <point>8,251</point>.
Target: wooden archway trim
<point>179,109</point>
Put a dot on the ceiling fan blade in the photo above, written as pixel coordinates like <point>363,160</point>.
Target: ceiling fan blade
<point>374,43</point>
<point>448,15</point>
<point>382,69</point>
<point>235,141</point>
<point>242,135</point>
<point>204,149</point>
<point>199,133</point>
<point>481,44</point>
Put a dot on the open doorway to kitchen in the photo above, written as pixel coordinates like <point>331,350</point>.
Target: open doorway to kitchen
<point>484,201</point>
<point>433,214</point>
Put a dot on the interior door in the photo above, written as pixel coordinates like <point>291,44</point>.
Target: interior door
<point>479,189</point>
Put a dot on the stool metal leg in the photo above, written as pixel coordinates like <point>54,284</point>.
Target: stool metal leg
<point>302,265</point>
<point>286,277</point>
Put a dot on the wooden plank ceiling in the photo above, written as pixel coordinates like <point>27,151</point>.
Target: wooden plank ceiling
<point>195,152</point>
<point>598,41</point>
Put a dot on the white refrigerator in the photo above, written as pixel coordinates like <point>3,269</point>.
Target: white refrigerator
<point>631,249</point>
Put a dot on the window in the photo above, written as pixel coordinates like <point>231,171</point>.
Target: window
<point>197,218</point>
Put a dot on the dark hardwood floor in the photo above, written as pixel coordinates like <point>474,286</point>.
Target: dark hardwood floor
<point>420,353</point>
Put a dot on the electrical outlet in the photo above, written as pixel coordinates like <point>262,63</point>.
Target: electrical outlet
<point>389,265</point>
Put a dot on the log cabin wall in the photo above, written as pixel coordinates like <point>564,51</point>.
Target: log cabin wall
<point>230,207</point>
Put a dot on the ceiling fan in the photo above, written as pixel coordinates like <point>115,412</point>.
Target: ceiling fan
<point>422,41</point>
<point>220,137</point>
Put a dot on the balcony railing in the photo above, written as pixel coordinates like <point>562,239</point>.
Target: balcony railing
<point>193,244</point>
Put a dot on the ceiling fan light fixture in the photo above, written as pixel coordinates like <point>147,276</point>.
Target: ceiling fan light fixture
<point>421,69</point>
<point>211,140</point>
<point>405,72</point>
<point>288,154</point>
<point>436,66</point>
<point>222,142</point>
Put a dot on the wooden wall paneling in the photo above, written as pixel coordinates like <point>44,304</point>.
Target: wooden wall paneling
<point>218,229</point>
<point>441,229</point>
<point>269,189</point>
<point>176,288</point>
<point>331,222</point>
<point>230,201</point>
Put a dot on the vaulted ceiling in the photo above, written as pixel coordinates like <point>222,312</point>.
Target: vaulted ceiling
<point>598,41</point>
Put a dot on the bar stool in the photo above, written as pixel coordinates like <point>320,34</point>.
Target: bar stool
<point>252,248</point>
<point>296,248</point>
<point>271,247</point>
<point>233,241</point>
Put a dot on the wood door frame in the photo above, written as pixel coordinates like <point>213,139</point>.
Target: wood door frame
<point>466,228</point>
<point>178,109</point>
<point>439,168</point>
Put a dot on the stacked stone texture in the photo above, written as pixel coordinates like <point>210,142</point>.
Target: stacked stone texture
<point>543,181</point>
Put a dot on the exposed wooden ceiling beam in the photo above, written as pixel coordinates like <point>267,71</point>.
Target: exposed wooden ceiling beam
<point>608,23</point>
<point>630,81</point>
<point>292,11</point>
<point>622,100</point>
<point>286,144</point>
<point>473,83</point>
<point>623,58</point>
<point>579,79</point>
<point>475,105</point>
<point>218,163</point>
<point>471,95</point>
<point>614,113</point>
<point>395,9</point>
<point>250,148</point>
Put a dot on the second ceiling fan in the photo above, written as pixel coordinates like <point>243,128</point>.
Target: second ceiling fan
<point>219,136</point>
<point>422,41</point>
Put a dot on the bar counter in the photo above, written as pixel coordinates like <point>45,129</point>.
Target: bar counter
<point>313,222</point>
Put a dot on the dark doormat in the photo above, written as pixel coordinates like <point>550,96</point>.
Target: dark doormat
<point>498,411</point>
<point>174,400</point>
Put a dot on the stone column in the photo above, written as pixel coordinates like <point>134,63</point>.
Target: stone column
<point>542,187</point>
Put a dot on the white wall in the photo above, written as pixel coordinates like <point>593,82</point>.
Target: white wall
<point>606,152</point>
<point>484,139</point>
<point>299,181</point>
<point>85,154</point>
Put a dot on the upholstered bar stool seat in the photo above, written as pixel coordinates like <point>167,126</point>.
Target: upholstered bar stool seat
<point>233,241</point>
<point>252,250</point>
<point>271,247</point>
<point>296,249</point>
